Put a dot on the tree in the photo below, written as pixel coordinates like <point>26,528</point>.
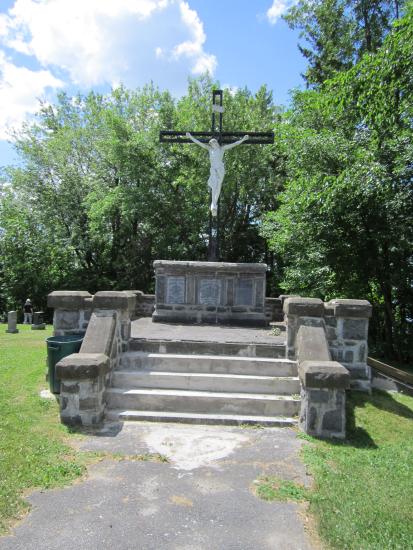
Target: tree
<point>344,225</point>
<point>337,33</point>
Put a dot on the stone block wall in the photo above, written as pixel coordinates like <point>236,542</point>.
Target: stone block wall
<point>273,310</point>
<point>346,326</point>
<point>72,311</point>
<point>85,375</point>
<point>210,292</point>
<point>145,304</point>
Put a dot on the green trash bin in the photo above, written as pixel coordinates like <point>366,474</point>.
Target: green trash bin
<point>57,348</point>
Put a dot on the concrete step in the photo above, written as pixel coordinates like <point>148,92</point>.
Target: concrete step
<point>248,404</point>
<point>198,418</point>
<point>211,364</point>
<point>205,382</point>
<point>188,347</point>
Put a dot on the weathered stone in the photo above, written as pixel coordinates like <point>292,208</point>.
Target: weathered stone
<point>355,329</point>
<point>175,290</point>
<point>69,388</point>
<point>351,308</point>
<point>71,420</point>
<point>66,319</point>
<point>312,344</point>
<point>333,421</point>
<point>114,300</point>
<point>318,396</point>
<point>324,374</point>
<point>82,365</point>
<point>348,356</point>
<point>304,307</point>
<point>89,403</point>
<point>12,322</point>
<point>312,418</point>
<point>99,335</point>
<point>67,299</point>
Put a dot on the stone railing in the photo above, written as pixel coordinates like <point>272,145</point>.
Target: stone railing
<point>273,309</point>
<point>346,326</point>
<point>85,375</point>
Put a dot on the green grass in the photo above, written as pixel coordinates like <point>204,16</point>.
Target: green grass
<point>33,444</point>
<point>275,488</point>
<point>363,493</point>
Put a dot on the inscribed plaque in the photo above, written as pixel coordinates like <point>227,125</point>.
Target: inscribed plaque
<point>244,292</point>
<point>209,292</point>
<point>175,290</point>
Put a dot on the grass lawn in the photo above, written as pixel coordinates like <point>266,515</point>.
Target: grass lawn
<point>33,449</point>
<point>362,496</point>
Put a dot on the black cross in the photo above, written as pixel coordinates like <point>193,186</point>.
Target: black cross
<point>255,138</point>
<point>170,136</point>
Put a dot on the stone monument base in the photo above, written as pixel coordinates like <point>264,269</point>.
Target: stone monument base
<point>210,292</point>
<point>42,326</point>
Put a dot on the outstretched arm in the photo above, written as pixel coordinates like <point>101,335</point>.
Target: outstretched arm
<point>232,145</point>
<point>203,145</point>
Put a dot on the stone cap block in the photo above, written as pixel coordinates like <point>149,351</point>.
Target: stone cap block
<point>68,299</point>
<point>304,307</point>
<point>284,297</point>
<point>351,308</point>
<point>99,334</point>
<point>324,374</point>
<point>82,365</point>
<point>170,266</point>
<point>113,299</point>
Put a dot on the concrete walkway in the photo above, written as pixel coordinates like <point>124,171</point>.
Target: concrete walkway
<point>202,499</point>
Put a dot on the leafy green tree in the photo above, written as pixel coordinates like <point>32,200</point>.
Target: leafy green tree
<point>344,225</point>
<point>337,33</point>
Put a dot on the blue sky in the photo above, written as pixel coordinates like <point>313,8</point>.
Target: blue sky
<point>78,45</point>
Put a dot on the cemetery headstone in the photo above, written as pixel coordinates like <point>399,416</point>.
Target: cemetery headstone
<point>38,321</point>
<point>12,322</point>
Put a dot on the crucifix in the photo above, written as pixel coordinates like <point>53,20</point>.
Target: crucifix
<point>216,142</point>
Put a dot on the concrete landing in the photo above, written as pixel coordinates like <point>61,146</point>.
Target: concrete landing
<point>145,329</point>
<point>202,499</point>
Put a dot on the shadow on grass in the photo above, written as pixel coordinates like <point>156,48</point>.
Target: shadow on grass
<point>358,436</point>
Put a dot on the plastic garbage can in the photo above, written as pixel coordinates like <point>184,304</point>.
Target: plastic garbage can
<point>57,348</point>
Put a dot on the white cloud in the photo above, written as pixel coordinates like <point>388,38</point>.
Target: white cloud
<point>278,8</point>
<point>20,91</point>
<point>101,41</point>
<point>91,43</point>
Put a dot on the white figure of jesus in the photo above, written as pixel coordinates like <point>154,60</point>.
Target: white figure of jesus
<point>217,173</point>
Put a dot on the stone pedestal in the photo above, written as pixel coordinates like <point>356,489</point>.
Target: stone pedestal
<point>12,322</point>
<point>210,292</point>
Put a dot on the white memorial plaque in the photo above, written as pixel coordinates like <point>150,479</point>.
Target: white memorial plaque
<point>175,290</point>
<point>209,292</point>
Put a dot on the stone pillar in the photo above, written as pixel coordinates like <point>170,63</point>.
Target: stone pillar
<point>347,323</point>
<point>82,388</point>
<point>85,375</point>
<point>323,398</point>
<point>301,312</point>
<point>72,310</point>
<point>12,322</point>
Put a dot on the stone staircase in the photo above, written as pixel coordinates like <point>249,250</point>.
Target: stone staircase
<point>205,382</point>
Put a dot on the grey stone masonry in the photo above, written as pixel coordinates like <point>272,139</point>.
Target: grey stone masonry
<point>346,326</point>
<point>86,375</point>
<point>210,292</point>
<point>72,310</point>
<point>273,309</point>
<point>323,385</point>
<point>145,304</point>
<point>12,322</point>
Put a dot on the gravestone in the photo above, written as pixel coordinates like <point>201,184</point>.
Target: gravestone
<point>38,322</point>
<point>12,322</point>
